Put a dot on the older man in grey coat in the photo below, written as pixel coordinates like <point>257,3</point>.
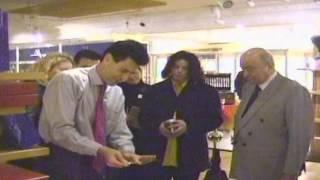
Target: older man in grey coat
<point>274,123</point>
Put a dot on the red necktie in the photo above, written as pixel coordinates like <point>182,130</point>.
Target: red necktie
<point>99,128</point>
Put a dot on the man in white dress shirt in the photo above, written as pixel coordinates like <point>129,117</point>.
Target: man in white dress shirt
<point>68,114</point>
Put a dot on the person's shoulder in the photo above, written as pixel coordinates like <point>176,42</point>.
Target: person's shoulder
<point>205,87</point>
<point>293,85</point>
<point>76,72</point>
<point>115,87</point>
<point>70,74</point>
<point>116,90</point>
<point>160,84</point>
<point>70,77</point>
<point>123,85</point>
<point>158,87</point>
<point>64,76</point>
<point>145,85</point>
<point>289,82</point>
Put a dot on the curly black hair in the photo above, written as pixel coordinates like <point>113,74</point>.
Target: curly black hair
<point>195,72</point>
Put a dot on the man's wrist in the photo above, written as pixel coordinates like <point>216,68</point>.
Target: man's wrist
<point>102,150</point>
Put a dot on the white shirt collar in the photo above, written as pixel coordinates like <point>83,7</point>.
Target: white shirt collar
<point>268,81</point>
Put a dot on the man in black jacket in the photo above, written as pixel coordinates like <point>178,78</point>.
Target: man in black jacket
<point>193,106</point>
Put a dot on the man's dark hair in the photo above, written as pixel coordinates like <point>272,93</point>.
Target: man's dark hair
<point>86,53</point>
<point>239,81</point>
<point>122,50</point>
<point>316,42</point>
<point>195,73</point>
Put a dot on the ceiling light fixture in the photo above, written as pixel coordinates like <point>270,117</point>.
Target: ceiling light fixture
<point>226,4</point>
<point>251,3</point>
<point>217,13</point>
<point>38,36</point>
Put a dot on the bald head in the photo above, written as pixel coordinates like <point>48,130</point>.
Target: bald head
<point>257,64</point>
<point>258,54</point>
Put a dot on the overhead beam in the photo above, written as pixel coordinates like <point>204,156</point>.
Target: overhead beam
<point>76,8</point>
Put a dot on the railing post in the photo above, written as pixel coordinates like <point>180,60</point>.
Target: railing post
<point>4,41</point>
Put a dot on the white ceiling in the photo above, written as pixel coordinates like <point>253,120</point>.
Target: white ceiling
<point>177,15</point>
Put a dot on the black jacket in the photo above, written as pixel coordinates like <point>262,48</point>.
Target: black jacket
<point>198,104</point>
<point>133,94</point>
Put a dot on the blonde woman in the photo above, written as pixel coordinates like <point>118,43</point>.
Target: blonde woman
<point>52,64</point>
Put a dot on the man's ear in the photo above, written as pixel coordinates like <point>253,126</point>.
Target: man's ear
<point>107,58</point>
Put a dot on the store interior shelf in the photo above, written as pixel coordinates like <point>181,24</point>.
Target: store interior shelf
<point>10,76</point>
<point>12,82</point>
<point>314,152</point>
<point>12,110</point>
<point>10,172</point>
<point>314,92</point>
<point>308,69</point>
<point>10,154</point>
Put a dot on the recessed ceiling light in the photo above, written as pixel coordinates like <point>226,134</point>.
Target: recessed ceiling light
<point>225,3</point>
<point>251,3</point>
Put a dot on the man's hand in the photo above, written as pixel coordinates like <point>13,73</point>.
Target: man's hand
<point>146,159</point>
<point>113,158</point>
<point>138,159</point>
<point>180,127</point>
<point>173,129</point>
<point>132,158</point>
<point>165,129</point>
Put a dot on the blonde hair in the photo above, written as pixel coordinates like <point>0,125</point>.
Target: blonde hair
<point>48,62</point>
